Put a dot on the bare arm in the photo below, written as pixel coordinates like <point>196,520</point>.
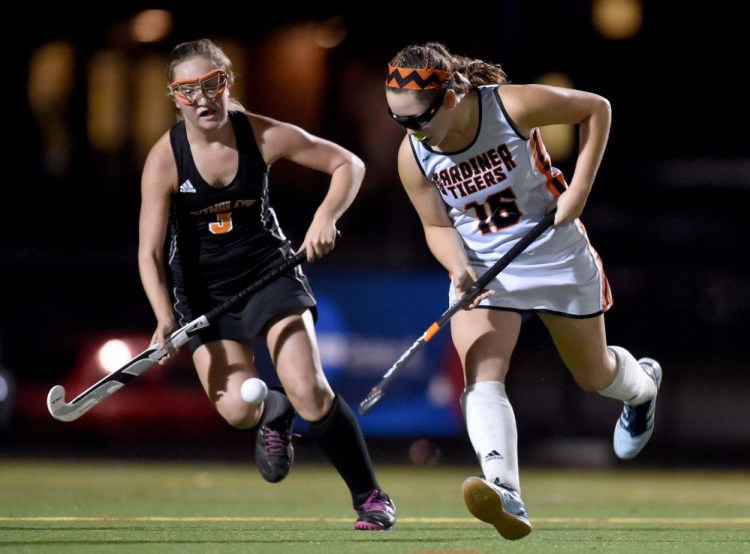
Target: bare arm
<point>158,180</point>
<point>538,105</point>
<point>282,140</point>
<point>443,239</point>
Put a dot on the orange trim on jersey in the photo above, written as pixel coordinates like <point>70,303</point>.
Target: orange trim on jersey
<point>556,183</point>
<point>606,292</point>
<point>415,79</point>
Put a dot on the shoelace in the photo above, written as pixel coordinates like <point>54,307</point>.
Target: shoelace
<point>374,502</point>
<point>275,442</point>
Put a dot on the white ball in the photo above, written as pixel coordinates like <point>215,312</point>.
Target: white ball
<point>254,391</point>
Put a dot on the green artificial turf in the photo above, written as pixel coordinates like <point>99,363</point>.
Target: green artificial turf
<point>134,506</point>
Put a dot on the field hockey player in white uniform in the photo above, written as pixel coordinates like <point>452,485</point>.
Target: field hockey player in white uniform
<point>476,170</point>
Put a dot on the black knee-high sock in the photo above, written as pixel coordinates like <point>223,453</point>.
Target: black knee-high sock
<point>275,406</point>
<point>339,437</point>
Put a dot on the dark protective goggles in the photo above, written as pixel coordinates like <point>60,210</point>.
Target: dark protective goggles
<point>418,121</point>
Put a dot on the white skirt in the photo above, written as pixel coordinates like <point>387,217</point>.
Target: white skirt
<point>559,273</point>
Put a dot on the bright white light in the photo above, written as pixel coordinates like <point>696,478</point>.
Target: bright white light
<point>113,355</point>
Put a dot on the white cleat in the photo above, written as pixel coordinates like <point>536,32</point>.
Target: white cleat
<point>636,423</point>
<point>498,505</point>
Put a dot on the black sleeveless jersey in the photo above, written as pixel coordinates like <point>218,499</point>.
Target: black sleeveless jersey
<point>221,239</point>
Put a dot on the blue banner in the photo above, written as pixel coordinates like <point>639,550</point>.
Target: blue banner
<point>366,322</point>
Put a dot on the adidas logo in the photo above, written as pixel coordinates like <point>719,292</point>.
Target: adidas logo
<point>494,455</point>
<point>187,186</point>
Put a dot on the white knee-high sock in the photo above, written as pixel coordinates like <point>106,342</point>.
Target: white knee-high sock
<point>491,424</point>
<point>632,384</point>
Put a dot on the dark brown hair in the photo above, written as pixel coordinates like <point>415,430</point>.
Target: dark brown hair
<point>434,55</point>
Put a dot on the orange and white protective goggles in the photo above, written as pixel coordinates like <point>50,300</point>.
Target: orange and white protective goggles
<point>211,85</point>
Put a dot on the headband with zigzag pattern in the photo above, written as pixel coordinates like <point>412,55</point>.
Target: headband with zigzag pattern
<point>415,79</point>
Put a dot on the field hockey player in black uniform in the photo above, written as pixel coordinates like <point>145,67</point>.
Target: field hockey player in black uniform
<point>207,230</point>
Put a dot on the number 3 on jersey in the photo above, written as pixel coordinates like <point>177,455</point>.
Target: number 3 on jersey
<point>223,225</point>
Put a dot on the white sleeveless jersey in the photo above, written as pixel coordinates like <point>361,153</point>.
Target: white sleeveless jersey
<point>497,189</point>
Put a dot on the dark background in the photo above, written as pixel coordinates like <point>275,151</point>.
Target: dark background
<point>666,213</point>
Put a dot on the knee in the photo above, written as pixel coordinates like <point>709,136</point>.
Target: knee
<point>311,403</point>
<point>239,415</point>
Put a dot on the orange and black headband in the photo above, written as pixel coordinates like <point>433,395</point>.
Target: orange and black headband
<point>416,79</point>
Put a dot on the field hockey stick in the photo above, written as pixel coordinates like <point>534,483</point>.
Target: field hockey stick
<point>69,411</point>
<point>377,392</point>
